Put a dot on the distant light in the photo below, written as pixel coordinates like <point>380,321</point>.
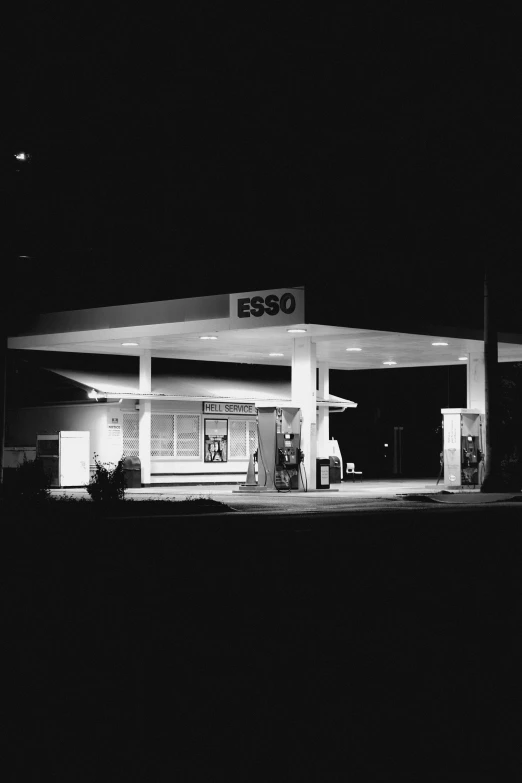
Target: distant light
<point>21,156</point>
<point>463,358</point>
<point>354,349</point>
<point>296,330</point>
<point>129,343</point>
<point>385,445</point>
<point>389,362</point>
<point>439,343</point>
<point>208,337</point>
<point>276,354</point>
<point>24,256</point>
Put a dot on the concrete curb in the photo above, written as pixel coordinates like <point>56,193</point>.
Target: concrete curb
<point>464,499</point>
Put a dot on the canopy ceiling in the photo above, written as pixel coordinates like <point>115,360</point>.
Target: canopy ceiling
<point>175,328</point>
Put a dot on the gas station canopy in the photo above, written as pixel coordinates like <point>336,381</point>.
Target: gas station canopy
<point>257,327</point>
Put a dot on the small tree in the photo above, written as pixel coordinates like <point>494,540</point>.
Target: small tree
<point>108,483</point>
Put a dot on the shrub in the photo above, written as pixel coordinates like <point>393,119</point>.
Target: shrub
<point>108,483</point>
<point>28,482</point>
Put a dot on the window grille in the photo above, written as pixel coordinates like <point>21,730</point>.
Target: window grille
<point>175,435</point>
<point>238,444</point>
<point>162,435</point>
<point>131,441</point>
<point>188,441</point>
<point>243,438</point>
<point>252,436</point>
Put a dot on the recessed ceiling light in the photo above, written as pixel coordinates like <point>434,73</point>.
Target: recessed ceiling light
<point>463,358</point>
<point>296,330</point>
<point>276,354</point>
<point>439,343</point>
<point>354,349</point>
<point>389,362</point>
<point>129,343</point>
<point>208,337</point>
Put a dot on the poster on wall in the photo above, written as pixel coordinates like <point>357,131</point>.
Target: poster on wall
<point>114,437</point>
<point>216,437</point>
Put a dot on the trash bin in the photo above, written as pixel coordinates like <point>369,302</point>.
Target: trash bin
<point>132,472</point>
<point>323,474</point>
<point>335,470</point>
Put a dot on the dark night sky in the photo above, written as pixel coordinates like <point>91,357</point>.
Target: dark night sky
<point>227,153</point>
<point>374,157</point>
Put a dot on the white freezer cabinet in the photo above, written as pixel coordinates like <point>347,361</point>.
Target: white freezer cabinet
<point>65,457</point>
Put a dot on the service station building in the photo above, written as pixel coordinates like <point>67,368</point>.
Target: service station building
<point>188,423</point>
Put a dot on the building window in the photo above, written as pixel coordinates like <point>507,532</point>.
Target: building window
<point>252,437</point>
<point>162,435</point>
<point>238,428</point>
<point>131,440</point>
<point>175,435</point>
<point>187,435</point>
<point>243,438</point>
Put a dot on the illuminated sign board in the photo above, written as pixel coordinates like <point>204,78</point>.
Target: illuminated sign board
<point>267,308</point>
<point>230,408</point>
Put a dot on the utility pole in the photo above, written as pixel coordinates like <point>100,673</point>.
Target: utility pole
<point>492,480</point>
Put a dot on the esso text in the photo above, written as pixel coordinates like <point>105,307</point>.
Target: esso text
<point>271,305</point>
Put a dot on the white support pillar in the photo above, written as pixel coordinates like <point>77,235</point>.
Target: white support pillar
<point>476,387</point>
<point>145,415</point>
<point>476,382</point>
<point>304,397</point>
<point>323,415</point>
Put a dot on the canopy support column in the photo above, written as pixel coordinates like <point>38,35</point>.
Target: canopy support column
<point>304,397</point>
<point>323,415</point>
<point>476,381</point>
<point>145,416</point>
<point>476,389</point>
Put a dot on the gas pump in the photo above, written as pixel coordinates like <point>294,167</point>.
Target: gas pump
<point>279,453</point>
<point>463,452</point>
<point>288,457</point>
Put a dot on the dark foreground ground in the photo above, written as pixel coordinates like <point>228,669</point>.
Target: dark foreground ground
<point>376,646</point>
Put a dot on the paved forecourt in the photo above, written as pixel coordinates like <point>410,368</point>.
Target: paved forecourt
<point>346,495</point>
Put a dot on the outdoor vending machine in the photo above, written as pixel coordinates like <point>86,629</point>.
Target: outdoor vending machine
<point>462,450</point>
<point>65,457</point>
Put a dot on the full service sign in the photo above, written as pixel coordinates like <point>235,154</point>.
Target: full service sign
<point>267,308</point>
<point>230,408</point>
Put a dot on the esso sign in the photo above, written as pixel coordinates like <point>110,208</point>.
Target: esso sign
<point>271,307</point>
<point>272,304</point>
